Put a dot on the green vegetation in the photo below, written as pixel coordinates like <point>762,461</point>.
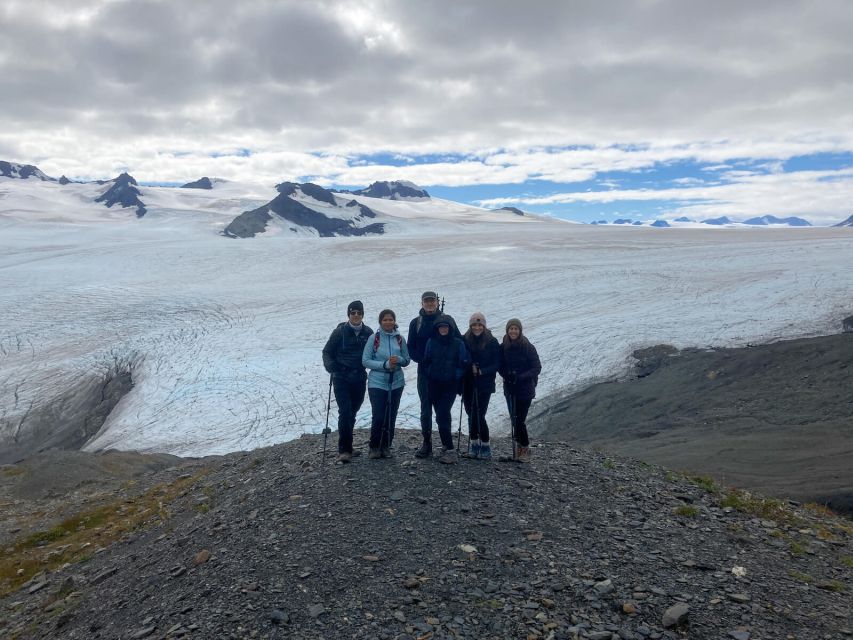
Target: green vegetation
<point>609,464</point>
<point>799,576</point>
<point>12,471</point>
<point>847,561</point>
<point>761,507</point>
<point>798,548</point>
<point>74,539</point>
<point>705,482</point>
<point>687,511</point>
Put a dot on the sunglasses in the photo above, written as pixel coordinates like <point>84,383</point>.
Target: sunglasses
<point>356,313</point>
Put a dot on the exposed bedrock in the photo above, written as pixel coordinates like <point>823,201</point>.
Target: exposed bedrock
<point>70,419</point>
<point>775,418</point>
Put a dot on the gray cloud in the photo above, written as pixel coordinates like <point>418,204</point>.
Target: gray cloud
<point>131,79</point>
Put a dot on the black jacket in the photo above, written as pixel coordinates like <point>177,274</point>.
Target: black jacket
<point>520,368</point>
<point>343,351</point>
<point>485,352</point>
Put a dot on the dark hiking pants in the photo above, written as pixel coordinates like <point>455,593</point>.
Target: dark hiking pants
<point>518,414</point>
<point>349,397</point>
<point>442,395</point>
<point>475,408</point>
<point>426,406</point>
<point>384,417</point>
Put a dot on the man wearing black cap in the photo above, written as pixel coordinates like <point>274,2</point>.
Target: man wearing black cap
<point>421,330</point>
<point>342,359</point>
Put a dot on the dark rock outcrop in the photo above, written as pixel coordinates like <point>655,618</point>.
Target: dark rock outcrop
<point>514,210</point>
<point>284,205</point>
<point>22,171</point>
<point>201,183</point>
<point>125,193</point>
<point>847,325</point>
<point>63,180</point>
<point>845,223</point>
<point>683,219</point>
<point>660,223</point>
<point>393,190</point>
<point>623,221</point>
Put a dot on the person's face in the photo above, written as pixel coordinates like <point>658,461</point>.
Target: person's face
<point>477,328</point>
<point>443,330</point>
<point>513,332</point>
<point>355,317</point>
<point>430,305</point>
<point>388,322</point>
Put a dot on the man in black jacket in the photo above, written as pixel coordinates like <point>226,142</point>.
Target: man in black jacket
<point>421,330</point>
<point>342,359</point>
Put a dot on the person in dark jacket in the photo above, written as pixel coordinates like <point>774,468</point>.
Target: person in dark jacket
<point>445,360</point>
<point>342,359</point>
<point>478,383</point>
<point>420,331</point>
<point>520,369</point>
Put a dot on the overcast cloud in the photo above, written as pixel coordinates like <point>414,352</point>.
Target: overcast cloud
<point>495,92</point>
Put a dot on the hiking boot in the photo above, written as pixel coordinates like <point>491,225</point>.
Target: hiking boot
<point>448,456</point>
<point>425,451</point>
<point>474,451</point>
<point>485,451</point>
<point>523,454</point>
<point>345,456</point>
<point>374,454</point>
<point>385,452</point>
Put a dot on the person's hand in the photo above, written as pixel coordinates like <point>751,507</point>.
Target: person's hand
<point>475,369</point>
<point>392,362</point>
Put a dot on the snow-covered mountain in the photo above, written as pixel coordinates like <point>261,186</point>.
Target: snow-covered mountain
<point>845,223</point>
<point>201,183</point>
<point>123,191</point>
<point>307,208</point>
<point>393,190</point>
<point>768,220</point>
<point>22,171</point>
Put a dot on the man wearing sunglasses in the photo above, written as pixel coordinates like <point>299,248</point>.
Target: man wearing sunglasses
<point>342,359</point>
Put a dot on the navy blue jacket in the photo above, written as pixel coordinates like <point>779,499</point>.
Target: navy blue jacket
<point>421,330</point>
<point>446,358</point>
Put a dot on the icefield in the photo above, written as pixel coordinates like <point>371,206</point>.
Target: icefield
<point>225,335</point>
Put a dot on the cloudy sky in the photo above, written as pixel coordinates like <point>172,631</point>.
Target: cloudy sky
<point>586,110</point>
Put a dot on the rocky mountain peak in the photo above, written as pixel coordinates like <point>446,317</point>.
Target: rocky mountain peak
<point>124,192</point>
<point>23,171</point>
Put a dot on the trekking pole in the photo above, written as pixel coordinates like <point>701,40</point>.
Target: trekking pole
<point>476,404</point>
<point>326,430</point>
<point>512,421</point>
<point>441,309</point>
<point>459,435</point>
<point>386,423</point>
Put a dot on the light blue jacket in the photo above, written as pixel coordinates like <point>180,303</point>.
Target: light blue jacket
<point>376,359</point>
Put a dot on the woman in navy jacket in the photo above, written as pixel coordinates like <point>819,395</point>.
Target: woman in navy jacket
<point>520,368</point>
<point>478,383</point>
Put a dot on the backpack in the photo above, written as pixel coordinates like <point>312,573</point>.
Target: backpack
<point>376,342</point>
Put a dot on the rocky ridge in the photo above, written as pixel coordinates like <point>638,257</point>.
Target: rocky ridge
<point>273,544</point>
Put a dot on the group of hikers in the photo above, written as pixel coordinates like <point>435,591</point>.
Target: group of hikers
<point>449,364</point>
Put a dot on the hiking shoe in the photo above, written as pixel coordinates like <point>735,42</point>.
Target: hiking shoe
<point>523,454</point>
<point>448,456</point>
<point>425,451</point>
<point>475,449</point>
<point>485,451</point>
<point>374,454</point>
<point>385,452</point>
<point>345,457</point>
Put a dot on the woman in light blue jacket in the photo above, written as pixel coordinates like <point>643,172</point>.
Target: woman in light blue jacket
<point>384,355</point>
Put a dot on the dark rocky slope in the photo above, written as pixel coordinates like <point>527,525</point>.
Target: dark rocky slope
<point>269,544</point>
<point>124,192</point>
<point>774,417</point>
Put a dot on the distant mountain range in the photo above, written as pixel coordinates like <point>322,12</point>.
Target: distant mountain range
<point>319,210</point>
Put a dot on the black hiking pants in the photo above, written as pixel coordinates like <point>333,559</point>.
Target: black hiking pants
<point>518,413</point>
<point>384,416</point>
<point>476,404</point>
<point>442,395</point>
<point>426,405</point>
<point>349,397</point>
